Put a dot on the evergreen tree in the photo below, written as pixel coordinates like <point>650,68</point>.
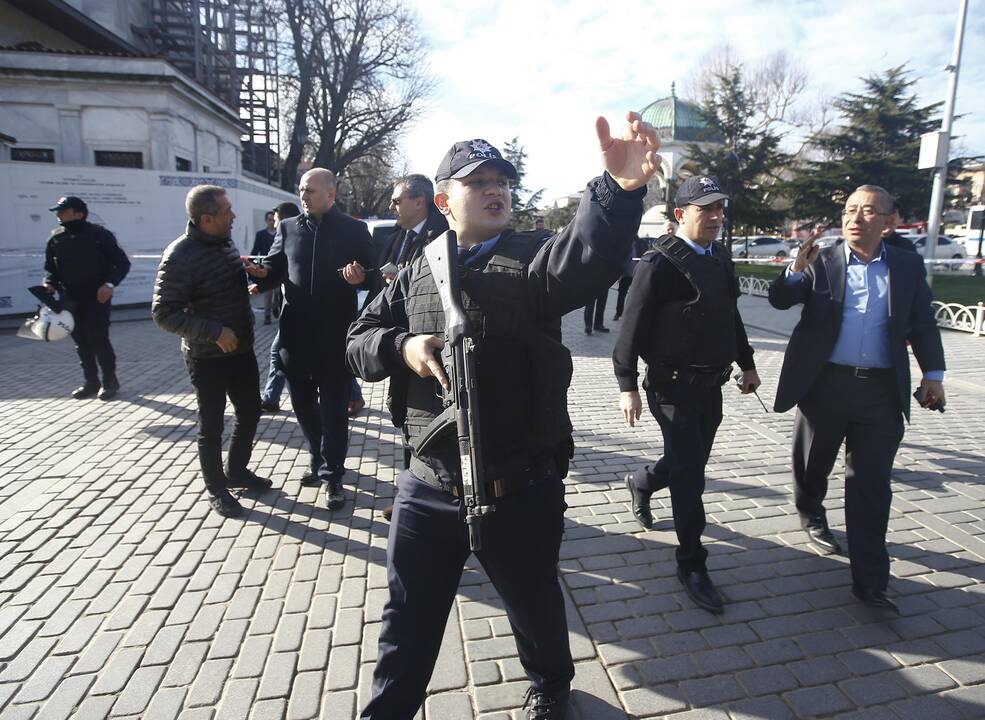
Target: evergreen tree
<point>878,144</point>
<point>523,201</point>
<point>748,161</point>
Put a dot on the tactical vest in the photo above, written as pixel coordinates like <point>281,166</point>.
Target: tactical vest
<point>699,331</point>
<point>523,369</point>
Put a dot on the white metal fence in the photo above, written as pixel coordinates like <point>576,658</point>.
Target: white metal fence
<point>966,318</point>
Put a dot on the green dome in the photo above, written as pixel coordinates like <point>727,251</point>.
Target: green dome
<point>677,119</point>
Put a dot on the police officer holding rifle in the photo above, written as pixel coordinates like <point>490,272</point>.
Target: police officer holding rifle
<point>514,288</point>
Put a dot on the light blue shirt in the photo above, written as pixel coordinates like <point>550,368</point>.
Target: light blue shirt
<point>693,245</point>
<point>864,337</point>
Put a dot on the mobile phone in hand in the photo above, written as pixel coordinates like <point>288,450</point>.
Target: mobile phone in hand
<point>389,269</point>
<point>918,396</point>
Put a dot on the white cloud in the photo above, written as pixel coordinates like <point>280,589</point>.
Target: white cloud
<point>542,71</point>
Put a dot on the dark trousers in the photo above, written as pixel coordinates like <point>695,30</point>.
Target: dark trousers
<point>689,416</point>
<point>596,309</point>
<point>321,403</point>
<point>427,548</point>
<point>91,336</point>
<point>213,379</point>
<point>864,414</point>
<point>622,291</point>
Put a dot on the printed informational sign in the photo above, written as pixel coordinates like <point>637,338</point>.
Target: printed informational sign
<point>145,209</point>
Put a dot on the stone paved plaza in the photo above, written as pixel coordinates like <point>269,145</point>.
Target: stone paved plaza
<point>122,595</point>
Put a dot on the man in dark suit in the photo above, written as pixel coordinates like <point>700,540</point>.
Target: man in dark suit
<point>320,257</point>
<point>847,370</point>
<point>418,223</point>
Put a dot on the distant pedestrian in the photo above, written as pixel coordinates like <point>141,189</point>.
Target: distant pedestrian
<point>84,263</point>
<point>201,296</point>
<point>276,378</point>
<point>261,246</point>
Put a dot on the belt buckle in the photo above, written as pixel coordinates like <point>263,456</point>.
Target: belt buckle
<point>861,373</point>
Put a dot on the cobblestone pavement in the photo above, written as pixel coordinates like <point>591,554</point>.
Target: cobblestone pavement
<point>122,596</point>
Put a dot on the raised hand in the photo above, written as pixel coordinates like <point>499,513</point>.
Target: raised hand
<point>630,159</point>
<point>805,255</point>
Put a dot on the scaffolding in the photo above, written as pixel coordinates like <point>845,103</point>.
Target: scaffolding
<point>230,47</point>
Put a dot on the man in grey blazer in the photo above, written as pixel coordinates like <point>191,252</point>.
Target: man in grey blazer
<point>847,370</point>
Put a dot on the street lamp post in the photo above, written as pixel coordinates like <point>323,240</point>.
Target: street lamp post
<point>940,171</point>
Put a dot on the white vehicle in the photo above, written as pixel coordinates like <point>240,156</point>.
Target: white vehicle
<point>821,242</point>
<point>761,246</point>
<point>947,249</point>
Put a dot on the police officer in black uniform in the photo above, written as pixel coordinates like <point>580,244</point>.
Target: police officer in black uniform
<point>516,287</point>
<point>682,319</point>
<point>85,263</point>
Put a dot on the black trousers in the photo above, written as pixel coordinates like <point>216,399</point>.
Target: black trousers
<point>321,403</point>
<point>864,414</point>
<point>91,336</point>
<point>622,291</point>
<point>427,549</point>
<point>596,310</point>
<point>215,378</point>
<point>689,416</point>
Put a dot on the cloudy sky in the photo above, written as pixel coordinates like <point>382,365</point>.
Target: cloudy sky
<point>543,70</point>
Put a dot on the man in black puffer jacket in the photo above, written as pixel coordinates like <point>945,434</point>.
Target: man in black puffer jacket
<point>200,295</point>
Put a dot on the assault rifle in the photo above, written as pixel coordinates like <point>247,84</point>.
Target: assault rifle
<point>461,400</point>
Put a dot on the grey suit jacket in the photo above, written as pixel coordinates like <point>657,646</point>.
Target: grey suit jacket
<point>822,293</point>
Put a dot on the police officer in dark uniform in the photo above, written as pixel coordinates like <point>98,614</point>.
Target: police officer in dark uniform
<point>85,263</point>
<point>516,287</point>
<point>682,319</point>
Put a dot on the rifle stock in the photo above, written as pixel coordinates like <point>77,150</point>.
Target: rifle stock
<point>462,399</point>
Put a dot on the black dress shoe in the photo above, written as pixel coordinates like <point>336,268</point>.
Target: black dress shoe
<point>310,479</point>
<point>86,391</point>
<point>601,329</point>
<point>269,406</point>
<point>701,590</point>
<point>110,388</point>
<point>823,538</point>
<point>225,504</point>
<point>875,599</point>
<point>543,705</point>
<point>248,480</point>
<point>641,504</point>
<point>588,330</point>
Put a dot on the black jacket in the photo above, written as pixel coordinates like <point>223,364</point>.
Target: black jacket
<point>80,257</point>
<point>434,225</point>
<point>201,288</point>
<point>822,292</point>
<point>656,282</point>
<point>319,305</point>
<point>568,270</point>
<point>262,242</point>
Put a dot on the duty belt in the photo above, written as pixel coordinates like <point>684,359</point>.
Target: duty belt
<point>861,372</point>
<point>502,481</point>
<point>689,375</point>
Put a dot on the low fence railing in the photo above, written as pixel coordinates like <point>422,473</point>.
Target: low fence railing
<point>953,316</point>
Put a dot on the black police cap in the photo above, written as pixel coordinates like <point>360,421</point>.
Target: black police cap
<point>699,190</point>
<point>70,202</point>
<point>466,156</point>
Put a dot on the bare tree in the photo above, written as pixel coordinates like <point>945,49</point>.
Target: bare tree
<point>360,77</point>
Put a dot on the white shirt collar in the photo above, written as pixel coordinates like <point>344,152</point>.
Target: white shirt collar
<point>417,228</point>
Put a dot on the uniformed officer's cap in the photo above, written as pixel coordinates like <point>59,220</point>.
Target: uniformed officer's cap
<point>466,156</point>
<point>699,190</point>
<point>70,202</point>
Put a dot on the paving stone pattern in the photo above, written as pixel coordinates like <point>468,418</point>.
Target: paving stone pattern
<point>122,596</point>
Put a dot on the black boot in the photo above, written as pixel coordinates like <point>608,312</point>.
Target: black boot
<point>110,387</point>
<point>543,705</point>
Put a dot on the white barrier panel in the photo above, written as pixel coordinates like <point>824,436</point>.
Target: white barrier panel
<point>143,208</point>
